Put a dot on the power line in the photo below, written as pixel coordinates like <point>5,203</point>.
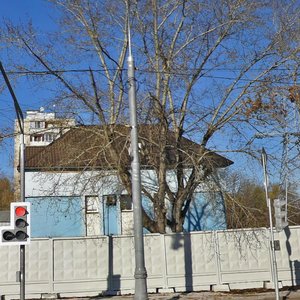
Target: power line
<point>220,77</point>
<point>38,72</point>
<point>176,73</point>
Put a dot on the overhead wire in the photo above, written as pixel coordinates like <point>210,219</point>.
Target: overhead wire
<point>176,73</point>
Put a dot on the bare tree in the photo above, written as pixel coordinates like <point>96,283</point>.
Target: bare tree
<point>246,205</point>
<point>6,193</point>
<point>199,66</point>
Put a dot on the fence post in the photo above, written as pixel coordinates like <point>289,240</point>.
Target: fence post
<point>109,240</point>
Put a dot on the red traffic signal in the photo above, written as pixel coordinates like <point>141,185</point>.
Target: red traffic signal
<point>20,211</point>
<point>18,232</point>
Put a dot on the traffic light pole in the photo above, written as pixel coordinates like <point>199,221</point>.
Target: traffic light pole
<point>22,174</point>
<point>273,255</point>
<point>22,192</point>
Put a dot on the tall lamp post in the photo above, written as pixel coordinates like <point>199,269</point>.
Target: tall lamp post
<point>20,118</point>
<point>140,273</point>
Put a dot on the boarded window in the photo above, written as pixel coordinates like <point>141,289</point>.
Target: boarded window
<point>125,202</point>
<point>110,200</point>
<point>91,204</point>
<point>92,215</point>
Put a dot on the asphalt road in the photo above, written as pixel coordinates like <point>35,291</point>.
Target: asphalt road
<point>263,295</point>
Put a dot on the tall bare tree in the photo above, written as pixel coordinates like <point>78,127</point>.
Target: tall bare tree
<point>200,66</point>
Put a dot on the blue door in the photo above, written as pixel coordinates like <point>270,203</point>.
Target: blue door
<point>111,215</point>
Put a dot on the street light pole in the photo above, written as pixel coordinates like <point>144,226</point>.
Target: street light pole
<point>140,274</point>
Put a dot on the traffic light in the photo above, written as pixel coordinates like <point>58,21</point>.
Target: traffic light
<point>18,232</point>
<point>280,214</point>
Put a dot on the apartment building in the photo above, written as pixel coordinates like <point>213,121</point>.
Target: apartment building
<point>40,129</point>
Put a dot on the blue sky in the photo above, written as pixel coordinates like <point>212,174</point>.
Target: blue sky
<point>19,11</point>
<point>31,97</point>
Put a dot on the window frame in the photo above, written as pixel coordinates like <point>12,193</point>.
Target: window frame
<point>94,205</point>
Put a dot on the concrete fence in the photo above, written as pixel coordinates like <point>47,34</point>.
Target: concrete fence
<point>218,260</point>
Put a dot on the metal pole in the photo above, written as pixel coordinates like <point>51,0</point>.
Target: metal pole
<point>273,256</point>
<point>22,191</point>
<point>140,274</point>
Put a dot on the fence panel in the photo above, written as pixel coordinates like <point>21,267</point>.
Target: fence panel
<point>288,257</point>
<point>38,268</point>
<point>244,257</point>
<point>186,261</point>
<point>80,265</point>
<point>122,263</point>
<point>155,261</point>
<point>190,260</point>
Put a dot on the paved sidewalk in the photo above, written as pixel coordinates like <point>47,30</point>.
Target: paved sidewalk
<point>269,295</point>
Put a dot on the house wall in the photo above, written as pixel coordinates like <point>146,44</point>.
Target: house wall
<point>127,222</point>
<point>206,212</point>
<point>57,216</point>
<point>72,189</point>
